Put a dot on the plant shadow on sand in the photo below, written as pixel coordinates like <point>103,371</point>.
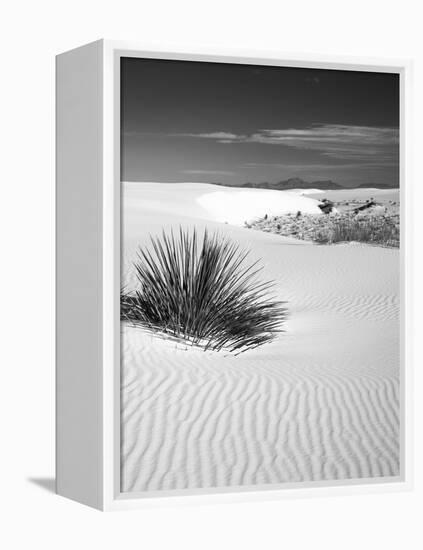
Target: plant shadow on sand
<point>199,290</point>
<point>181,343</point>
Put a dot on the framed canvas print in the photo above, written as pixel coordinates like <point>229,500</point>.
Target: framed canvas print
<point>232,250</point>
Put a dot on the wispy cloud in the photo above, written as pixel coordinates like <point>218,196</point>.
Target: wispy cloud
<point>219,136</point>
<point>333,140</point>
<point>313,80</point>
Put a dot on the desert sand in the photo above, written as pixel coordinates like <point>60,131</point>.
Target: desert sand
<point>321,402</point>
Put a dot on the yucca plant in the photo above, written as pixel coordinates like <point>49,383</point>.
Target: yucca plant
<point>200,289</point>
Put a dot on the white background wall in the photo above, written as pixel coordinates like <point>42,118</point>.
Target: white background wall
<point>32,32</point>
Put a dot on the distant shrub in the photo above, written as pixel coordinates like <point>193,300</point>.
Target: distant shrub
<point>200,289</point>
<point>381,230</point>
<point>371,229</point>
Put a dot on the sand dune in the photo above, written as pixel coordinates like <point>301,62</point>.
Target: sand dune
<point>215,203</point>
<point>236,206</point>
<point>321,402</point>
<point>361,193</point>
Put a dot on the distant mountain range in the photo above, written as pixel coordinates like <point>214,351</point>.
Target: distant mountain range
<point>298,183</point>
<point>295,183</point>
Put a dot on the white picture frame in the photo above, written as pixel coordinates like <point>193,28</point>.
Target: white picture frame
<point>88,278</point>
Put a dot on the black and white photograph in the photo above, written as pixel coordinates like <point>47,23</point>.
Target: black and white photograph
<point>260,275</point>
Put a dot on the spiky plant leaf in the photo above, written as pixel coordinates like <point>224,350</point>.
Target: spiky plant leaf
<point>201,289</point>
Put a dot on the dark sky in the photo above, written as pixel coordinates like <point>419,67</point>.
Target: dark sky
<point>214,122</point>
